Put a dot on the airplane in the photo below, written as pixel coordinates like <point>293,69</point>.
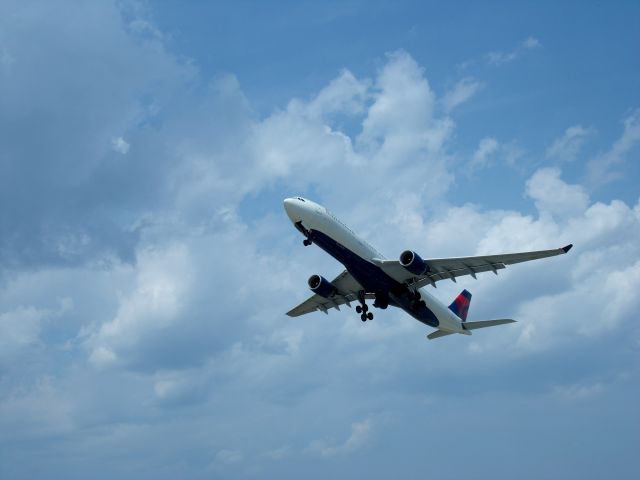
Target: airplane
<point>398,283</point>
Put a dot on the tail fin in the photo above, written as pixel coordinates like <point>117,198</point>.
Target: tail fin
<point>460,306</point>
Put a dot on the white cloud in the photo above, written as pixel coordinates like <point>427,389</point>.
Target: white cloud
<point>499,58</point>
<point>605,168</point>
<point>399,127</point>
<point>512,153</point>
<point>531,42</point>
<point>490,152</point>
<point>461,92</point>
<point>403,105</point>
<point>359,436</point>
<point>20,328</point>
<point>345,95</point>
<point>162,278</point>
<point>604,264</point>
<point>552,195</point>
<point>102,356</point>
<point>557,300</point>
<point>179,386</point>
<point>567,147</point>
<point>551,320</point>
<point>482,156</point>
<point>120,145</point>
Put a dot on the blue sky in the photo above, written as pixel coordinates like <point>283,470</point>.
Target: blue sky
<point>146,261</point>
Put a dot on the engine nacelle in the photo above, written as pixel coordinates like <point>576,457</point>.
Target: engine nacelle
<point>413,263</point>
<point>321,286</point>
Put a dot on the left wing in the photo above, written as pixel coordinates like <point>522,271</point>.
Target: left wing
<point>451,268</point>
<point>347,289</point>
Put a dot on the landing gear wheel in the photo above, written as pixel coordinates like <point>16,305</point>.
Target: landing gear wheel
<point>306,242</point>
<point>363,308</point>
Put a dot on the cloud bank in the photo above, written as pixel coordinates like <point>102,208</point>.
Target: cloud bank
<point>147,264</point>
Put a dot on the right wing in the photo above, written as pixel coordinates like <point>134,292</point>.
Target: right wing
<point>450,268</point>
<point>347,289</point>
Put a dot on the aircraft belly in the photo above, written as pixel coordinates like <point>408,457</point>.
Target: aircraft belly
<point>422,313</point>
<point>370,276</point>
<point>374,279</point>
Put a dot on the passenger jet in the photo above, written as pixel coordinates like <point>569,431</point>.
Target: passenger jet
<point>399,283</point>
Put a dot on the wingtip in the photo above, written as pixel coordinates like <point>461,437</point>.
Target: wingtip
<point>567,248</point>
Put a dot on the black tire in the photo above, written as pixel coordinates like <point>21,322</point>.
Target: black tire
<point>359,309</point>
<point>363,317</point>
<point>370,316</point>
<point>365,308</point>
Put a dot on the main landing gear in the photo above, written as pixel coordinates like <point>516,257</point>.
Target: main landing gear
<point>364,309</point>
<point>416,300</point>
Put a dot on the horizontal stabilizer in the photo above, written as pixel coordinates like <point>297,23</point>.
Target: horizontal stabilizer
<point>438,334</point>
<point>472,326</point>
<point>487,323</point>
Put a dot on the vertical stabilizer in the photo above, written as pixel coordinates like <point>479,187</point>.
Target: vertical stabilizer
<point>460,306</point>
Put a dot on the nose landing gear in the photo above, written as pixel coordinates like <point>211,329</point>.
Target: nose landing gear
<point>364,309</point>
<point>306,242</point>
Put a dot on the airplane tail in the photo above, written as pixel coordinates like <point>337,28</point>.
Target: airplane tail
<point>460,306</point>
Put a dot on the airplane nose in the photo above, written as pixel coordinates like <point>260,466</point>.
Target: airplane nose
<point>291,206</point>
<point>288,204</point>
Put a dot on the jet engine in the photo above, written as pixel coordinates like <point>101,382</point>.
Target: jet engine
<point>321,286</point>
<point>413,263</point>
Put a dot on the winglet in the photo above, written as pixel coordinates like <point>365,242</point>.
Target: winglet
<point>567,248</point>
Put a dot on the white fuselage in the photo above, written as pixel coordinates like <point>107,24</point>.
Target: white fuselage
<point>358,256</point>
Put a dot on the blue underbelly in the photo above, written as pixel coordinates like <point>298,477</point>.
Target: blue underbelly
<point>373,278</point>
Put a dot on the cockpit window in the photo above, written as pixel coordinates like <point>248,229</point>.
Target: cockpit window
<point>301,199</point>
